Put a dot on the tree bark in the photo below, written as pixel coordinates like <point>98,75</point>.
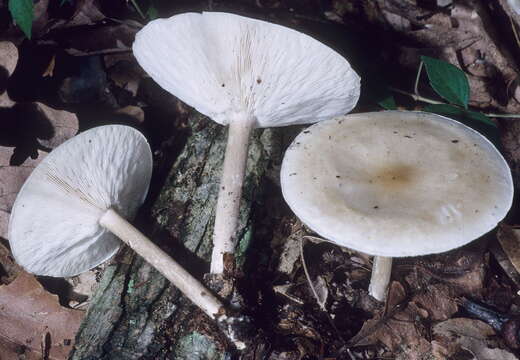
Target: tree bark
<point>135,313</point>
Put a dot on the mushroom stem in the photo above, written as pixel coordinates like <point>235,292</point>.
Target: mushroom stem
<point>174,272</point>
<point>228,203</point>
<point>381,271</point>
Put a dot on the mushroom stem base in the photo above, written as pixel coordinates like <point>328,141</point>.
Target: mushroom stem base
<point>230,192</point>
<point>381,271</point>
<point>184,281</point>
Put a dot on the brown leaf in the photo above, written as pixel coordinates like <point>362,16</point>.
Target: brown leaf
<point>438,301</point>
<point>134,113</point>
<point>401,333</point>
<point>9,269</point>
<point>8,61</point>
<point>509,239</point>
<point>504,262</point>
<point>473,335</point>
<point>40,18</point>
<point>400,329</point>
<point>87,13</point>
<point>126,74</point>
<point>65,125</point>
<point>396,295</point>
<point>32,313</point>
<point>11,180</point>
<point>98,40</point>
<point>8,56</point>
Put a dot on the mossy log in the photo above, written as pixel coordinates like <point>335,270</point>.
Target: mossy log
<point>135,313</point>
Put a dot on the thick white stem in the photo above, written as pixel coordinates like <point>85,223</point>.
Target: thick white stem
<point>228,203</point>
<point>179,277</point>
<point>381,271</point>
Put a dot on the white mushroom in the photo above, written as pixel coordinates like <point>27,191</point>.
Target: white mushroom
<point>395,184</point>
<point>73,205</point>
<point>244,73</point>
<point>515,5</point>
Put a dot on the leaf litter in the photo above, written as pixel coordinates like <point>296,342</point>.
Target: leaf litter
<point>34,324</point>
<point>38,324</point>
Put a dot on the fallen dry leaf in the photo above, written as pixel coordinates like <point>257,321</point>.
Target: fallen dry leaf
<point>438,301</point>
<point>504,262</point>
<point>400,329</point>
<point>35,316</point>
<point>9,57</point>
<point>28,123</point>
<point>11,180</point>
<point>126,74</point>
<point>509,239</point>
<point>132,112</point>
<point>8,61</point>
<point>87,13</point>
<point>289,255</point>
<point>65,125</point>
<point>9,269</point>
<point>472,335</point>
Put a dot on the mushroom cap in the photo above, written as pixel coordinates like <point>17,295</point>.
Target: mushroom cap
<point>54,225</point>
<point>396,183</point>
<point>229,67</point>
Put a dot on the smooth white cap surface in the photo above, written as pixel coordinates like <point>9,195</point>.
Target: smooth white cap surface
<point>54,229</point>
<point>228,66</point>
<point>396,183</point>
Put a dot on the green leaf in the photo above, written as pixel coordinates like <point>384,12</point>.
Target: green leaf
<point>388,103</point>
<point>447,80</point>
<point>455,111</point>
<point>22,13</point>
<point>380,94</point>
<point>152,13</point>
<point>473,119</point>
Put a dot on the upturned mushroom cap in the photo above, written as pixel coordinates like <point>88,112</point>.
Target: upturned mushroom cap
<point>54,229</point>
<point>396,183</point>
<point>227,66</point>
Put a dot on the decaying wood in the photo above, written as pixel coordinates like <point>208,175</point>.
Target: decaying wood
<point>135,312</point>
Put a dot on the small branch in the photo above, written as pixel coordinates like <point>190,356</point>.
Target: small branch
<point>76,52</point>
<point>435,102</point>
<point>136,6</point>
<point>515,33</point>
<point>416,97</point>
<point>311,285</point>
<point>320,302</point>
<point>514,116</point>
<point>416,86</point>
<point>132,23</point>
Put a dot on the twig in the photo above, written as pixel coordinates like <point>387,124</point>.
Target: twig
<point>281,289</point>
<point>416,97</point>
<point>515,33</point>
<point>75,52</point>
<point>514,116</point>
<point>352,357</point>
<point>320,302</point>
<point>315,293</point>
<point>136,6</point>
<point>132,23</point>
<point>416,86</point>
<point>435,102</point>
